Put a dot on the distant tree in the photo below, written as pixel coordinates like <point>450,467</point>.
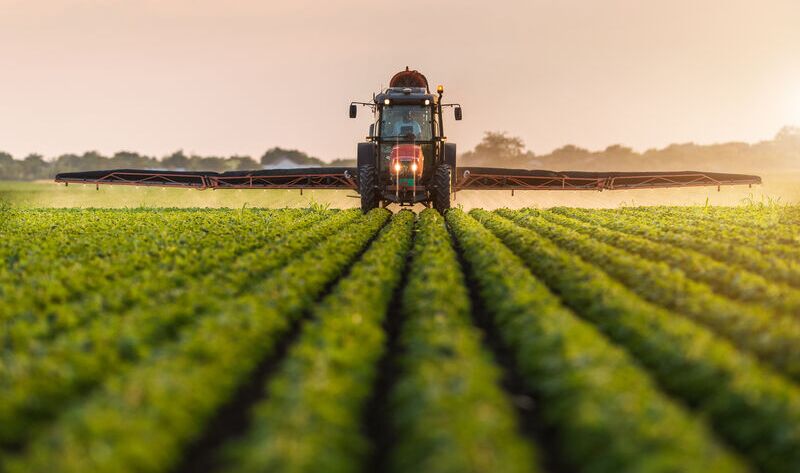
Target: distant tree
<point>618,150</point>
<point>788,133</point>
<point>35,167</point>
<point>127,159</point>
<point>9,167</point>
<point>68,163</point>
<point>176,160</point>
<point>570,151</point>
<point>276,156</point>
<point>35,159</point>
<point>241,163</point>
<point>207,163</point>
<point>94,160</point>
<point>500,146</point>
<point>497,148</point>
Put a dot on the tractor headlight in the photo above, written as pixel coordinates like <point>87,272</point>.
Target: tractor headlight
<point>427,102</point>
<point>414,167</point>
<point>386,101</point>
<point>397,167</point>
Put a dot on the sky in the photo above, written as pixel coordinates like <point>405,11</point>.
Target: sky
<point>239,77</point>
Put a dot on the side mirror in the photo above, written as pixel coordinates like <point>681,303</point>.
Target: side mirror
<point>371,129</point>
<point>457,111</point>
<point>353,110</point>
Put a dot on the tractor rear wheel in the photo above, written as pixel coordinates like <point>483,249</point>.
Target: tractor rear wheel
<point>441,188</point>
<point>368,187</point>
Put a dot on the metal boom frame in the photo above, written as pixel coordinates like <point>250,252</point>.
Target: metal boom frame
<point>468,178</point>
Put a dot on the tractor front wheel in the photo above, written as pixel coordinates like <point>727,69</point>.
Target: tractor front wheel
<point>442,181</point>
<point>368,187</point>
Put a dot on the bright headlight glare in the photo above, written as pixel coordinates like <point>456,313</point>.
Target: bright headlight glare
<point>397,167</point>
<point>414,167</point>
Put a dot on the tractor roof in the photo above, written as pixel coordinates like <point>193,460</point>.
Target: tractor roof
<point>405,95</point>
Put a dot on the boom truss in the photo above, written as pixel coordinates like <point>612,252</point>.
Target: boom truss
<point>468,178</point>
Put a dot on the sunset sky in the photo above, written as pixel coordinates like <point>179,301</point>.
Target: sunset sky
<point>239,77</point>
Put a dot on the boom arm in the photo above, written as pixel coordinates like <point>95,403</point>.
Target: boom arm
<point>300,178</point>
<point>478,178</point>
<point>468,178</point>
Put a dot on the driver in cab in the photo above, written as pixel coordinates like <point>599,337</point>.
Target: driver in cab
<point>407,125</point>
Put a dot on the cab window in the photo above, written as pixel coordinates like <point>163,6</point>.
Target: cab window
<point>406,122</point>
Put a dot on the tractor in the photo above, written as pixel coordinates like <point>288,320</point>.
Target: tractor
<point>406,159</point>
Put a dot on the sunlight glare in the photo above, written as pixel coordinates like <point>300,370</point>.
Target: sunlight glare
<point>795,110</point>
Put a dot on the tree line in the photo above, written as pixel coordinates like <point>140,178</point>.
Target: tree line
<point>782,153</point>
<point>497,149</point>
<point>35,166</point>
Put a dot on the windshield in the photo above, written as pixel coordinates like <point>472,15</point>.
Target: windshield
<point>406,122</point>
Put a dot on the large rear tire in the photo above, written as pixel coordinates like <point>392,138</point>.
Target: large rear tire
<point>442,180</point>
<point>368,187</point>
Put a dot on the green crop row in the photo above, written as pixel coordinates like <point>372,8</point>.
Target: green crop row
<point>777,240</point>
<point>725,279</point>
<point>773,338</point>
<point>749,217</point>
<point>776,222</point>
<point>448,412</point>
<point>43,274</point>
<point>754,409</point>
<point>769,266</point>
<point>143,419</point>
<point>126,265</point>
<point>35,384</point>
<point>151,283</point>
<point>607,414</point>
<point>311,417</point>
<point>74,252</point>
<point>33,380</point>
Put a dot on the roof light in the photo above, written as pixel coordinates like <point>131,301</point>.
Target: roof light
<point>439,89</point>
<point>386,101</point>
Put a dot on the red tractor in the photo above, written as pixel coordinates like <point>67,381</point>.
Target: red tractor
<point>406,159</point>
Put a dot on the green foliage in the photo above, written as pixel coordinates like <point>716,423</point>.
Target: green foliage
<point>754,409</point>
<point>448,411</point>
<point>724,278</point>
<point>718,244</point>
<point>649,339</point>
<point>772,337</point>
<point>45,370</point>
<point>607,414</point>
<point>310,420</point>
<point>143,418</point>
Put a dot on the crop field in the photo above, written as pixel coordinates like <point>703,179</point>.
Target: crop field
<point>640,339</point>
